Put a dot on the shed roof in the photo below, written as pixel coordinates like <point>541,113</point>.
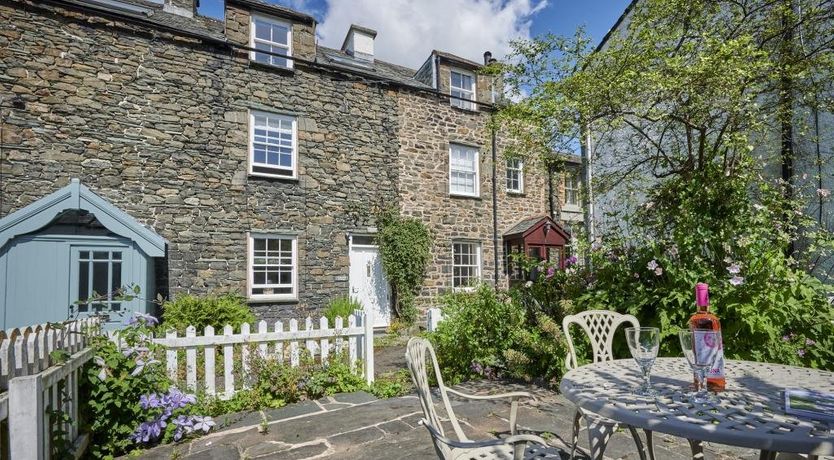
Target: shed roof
<point>78,197</point>
<point>522,228</point>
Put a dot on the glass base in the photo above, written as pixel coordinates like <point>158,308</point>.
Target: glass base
<point>645,391</point>
<point>701,398</point>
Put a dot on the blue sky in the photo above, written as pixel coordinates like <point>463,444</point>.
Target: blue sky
<point>409,29</point>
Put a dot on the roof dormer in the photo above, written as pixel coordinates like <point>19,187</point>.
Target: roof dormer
<point>359,43</point>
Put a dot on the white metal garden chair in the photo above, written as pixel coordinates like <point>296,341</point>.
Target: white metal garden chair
<point>599,326</point>
<point>513,447</point>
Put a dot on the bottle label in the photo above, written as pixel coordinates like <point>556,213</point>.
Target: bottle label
<point>707,348</point>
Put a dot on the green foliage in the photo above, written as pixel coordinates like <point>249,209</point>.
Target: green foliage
<point>702,230</point>
<point>392,385</point>
<point>201,311</point>
<point>343,307</point>
<point>488,334</point>
<point>112,388</point>
<point>404,245</point>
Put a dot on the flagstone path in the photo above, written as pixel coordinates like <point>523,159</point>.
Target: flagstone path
<point>359,426</point>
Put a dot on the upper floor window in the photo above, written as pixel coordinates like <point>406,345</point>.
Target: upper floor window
<point>463,170</point>
<point>273,36</point>
<point>572,188</point>
<point>462,87</point>
<point>515,175</point>
<point>272,145</point>
<point>273,266</point>
<point>466,264</point>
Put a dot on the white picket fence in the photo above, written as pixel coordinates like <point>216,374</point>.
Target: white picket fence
<point>353,336</point>
<point>35,382</point>
<point>433,318</point>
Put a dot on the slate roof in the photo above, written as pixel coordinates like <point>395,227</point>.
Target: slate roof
<point>382,69</point>
<point>525,225</point>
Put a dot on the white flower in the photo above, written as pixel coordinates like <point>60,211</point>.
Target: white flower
<point>652,265</point>
<point>823,192</point>
<point>734,269</point>
<point>758,207</point>
<point>736,280</point>
<point>658,271</point>
<point>528,284</point>
<point>203,423</point>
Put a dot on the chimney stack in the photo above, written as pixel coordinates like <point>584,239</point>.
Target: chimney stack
<point>359,43</point>
<point>487,58</point>
<point>180,7</point>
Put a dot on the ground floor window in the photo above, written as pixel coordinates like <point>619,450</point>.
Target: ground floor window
<point>466,264</point>
<point>273,267</point>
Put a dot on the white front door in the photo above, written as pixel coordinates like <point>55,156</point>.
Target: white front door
<point>368,284</point>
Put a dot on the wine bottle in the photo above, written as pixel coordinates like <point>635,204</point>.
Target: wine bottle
<point>704,320</point>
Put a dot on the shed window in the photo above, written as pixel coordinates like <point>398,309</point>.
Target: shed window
<point>463,170</point>
<point>466,267</point>
<point>273,145</point>
<point>463,89</point>
<point>99,277</point>
<point>515,175</point>
<point>272,267</point>
<point>272,36</point>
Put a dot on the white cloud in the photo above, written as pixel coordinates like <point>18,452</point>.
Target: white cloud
<point>409,29</point>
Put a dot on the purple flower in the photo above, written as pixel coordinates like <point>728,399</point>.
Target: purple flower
<point>570,261</point>
<point>203,423</point>
<point>142,318</point>
<point>810,343</point>
<point>652,265</point>
<point>736,280</point>
<point>786,338</point>
<point>734,269</point>
<point>550,272</point>
<point>184,424</point>
<point>149,431</point>
<point>800,352</point>
<point>476,368</point>
<point>140,365</point>
<point>176,399</point>
<point>150,401</point>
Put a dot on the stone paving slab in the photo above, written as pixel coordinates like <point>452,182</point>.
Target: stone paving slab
<point>358,426</point>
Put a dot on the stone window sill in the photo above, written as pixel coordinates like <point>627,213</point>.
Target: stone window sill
<point>271,68</point>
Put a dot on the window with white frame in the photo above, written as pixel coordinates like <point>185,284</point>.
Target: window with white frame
<point>272,36</point>
<point>572,188</point>
<point>463,170</point>
<point>272,145</point>
<point>462,86</point>
<point>273,266</point>
<point>515,175</point>
<point>466,264</point>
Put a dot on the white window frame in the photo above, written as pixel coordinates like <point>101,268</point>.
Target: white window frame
<point>477,160</point>
<point>253,41</point>
<point>250,281</point>
<point>520,170</point>
<point>293,169</point>
<point>573,176</point>
<point>478,266</point>
<point>465,105</point>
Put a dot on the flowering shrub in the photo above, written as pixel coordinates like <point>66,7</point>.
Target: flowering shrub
<point>127,384</point>
<point>734,234</point>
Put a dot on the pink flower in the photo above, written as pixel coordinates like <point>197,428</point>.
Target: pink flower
<point>652,265</point>
<point>550,272</point>
<point>658,271</point>
<point>810,343</point>
<point>800,352</point>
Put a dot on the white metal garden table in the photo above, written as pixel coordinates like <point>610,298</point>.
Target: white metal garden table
<point>750,413</point>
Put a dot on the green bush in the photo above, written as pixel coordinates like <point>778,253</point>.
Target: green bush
<point>733,234</point>
<point>341,306</point>
<point>489,334</point>
<point>201,311</point>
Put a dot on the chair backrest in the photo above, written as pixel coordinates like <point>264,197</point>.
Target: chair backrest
<point>417,352</point>
<point>600,326</point>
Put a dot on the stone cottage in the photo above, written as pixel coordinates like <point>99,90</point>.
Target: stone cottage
<point>144,144</point>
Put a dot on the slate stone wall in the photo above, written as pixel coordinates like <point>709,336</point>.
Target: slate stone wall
<point>159,127</point>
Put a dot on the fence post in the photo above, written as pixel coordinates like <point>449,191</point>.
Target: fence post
<point>434,316</point>
<point>368,344</point>
<point>27,435</point>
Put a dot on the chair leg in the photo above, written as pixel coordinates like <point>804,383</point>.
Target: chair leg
<point>767,455</point>
<point>577,416</point>
<point>649,443</point>
<point>599,433</point>
<point>697,449</point>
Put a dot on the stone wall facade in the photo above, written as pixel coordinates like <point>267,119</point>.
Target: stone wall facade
<point>158,125</point>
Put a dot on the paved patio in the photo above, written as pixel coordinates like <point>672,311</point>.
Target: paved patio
<point>359,426</point>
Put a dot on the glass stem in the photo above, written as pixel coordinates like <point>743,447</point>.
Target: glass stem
<point>647,377</point>
<point>702,381</point>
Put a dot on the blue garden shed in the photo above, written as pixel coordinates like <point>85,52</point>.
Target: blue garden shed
<point>66,254</point>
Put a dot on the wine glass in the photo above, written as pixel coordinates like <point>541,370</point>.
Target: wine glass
<point>702,348</point>
<point>644,343</point>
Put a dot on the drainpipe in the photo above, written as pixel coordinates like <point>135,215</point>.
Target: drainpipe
<point>587,199</point>
<point>494,200</point>
<point>550,203</point>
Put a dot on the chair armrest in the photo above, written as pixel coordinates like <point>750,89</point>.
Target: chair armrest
<point>511,440</point>
<point>514,395</point>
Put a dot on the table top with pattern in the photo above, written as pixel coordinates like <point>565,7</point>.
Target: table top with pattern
<point>749,413</point>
